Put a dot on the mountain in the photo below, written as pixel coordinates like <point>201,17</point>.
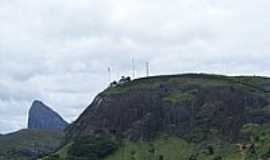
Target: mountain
<point>176,117</point>
<point>42,117</point>
<point>29,144</point>
<point>180,105</point>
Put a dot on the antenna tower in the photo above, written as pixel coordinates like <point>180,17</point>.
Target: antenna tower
<point>133,69</point>
<point>147,69</point>
<point>109,74</point>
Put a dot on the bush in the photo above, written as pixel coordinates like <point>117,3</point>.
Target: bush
<point>53,157</point>
<point>217,158</point>
<point>91,148</point>
<point>210,150</point>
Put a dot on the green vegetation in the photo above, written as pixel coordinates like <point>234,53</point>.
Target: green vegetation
<point>133,85</point>
<point>60,154</point>
<point>151,83</point>
<point>166,148</point>
<point>161,148</point>
<point>28,144</point>
<point>251,80</point>
<point>202,80</point>
<point>91,148</point>
<point>259,144</point>
<point>179,98</point>
<point>53,157</point>
<point>171,148</point>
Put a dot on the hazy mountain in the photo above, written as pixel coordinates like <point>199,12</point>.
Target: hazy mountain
<point>42,117</point>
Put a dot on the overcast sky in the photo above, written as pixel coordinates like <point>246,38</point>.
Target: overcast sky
<point>58,51</point>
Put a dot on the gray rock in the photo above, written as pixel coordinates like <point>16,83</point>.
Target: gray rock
<point>42,117</point>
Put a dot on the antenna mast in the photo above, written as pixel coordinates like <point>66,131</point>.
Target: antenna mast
<point>147,69</point>
<point>133,69</point>
<point>109,74</point>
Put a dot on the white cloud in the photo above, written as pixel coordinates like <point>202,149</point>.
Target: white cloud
<point>59,50</point>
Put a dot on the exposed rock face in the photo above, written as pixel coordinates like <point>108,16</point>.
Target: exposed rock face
<point>183,105</point>
<point>43,117</point>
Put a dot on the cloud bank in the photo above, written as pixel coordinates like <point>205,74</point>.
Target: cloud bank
<point>58,51</point>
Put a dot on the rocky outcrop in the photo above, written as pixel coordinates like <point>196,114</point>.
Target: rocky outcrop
<point>184,105</point>
<point>42,117</point>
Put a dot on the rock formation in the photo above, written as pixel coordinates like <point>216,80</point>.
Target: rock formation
<point>183,105</point>
<point>42,117</point>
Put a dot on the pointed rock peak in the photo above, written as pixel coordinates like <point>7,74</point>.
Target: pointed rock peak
<point>43,117</point>
<point>39,105</point>
<point>37,102</point>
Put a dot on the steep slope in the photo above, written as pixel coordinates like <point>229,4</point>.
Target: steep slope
<point>42,117</point>
<point>29,144</point>
<point>192,106</point>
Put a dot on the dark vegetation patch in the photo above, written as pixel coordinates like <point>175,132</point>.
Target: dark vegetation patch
<point>91,148</point>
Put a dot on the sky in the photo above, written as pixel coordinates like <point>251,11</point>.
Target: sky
<point>58,51</point>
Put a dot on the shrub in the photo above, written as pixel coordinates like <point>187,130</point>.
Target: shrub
<point>217,158</point>
<point>91,148</point>
<point>53,157</point>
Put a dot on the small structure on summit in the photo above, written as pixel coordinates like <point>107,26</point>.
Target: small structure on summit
<point>113,84</point>
<point>122,81</point>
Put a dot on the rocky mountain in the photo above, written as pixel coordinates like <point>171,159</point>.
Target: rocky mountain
<point>181,105</point>
<point>42,117</point>
<point>29,144</point>
<point>177,117</point>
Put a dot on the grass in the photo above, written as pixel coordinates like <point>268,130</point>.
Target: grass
<point>62,153</point>
<point>267,93</point>
<point>252,80</point>
<point>64,150</point>
<point>179,98</point>
<point>28,138</point>
<point>202,80</point>
<point>170,148</point>
<point>175,148</point>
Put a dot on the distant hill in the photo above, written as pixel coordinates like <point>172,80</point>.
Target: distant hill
<point>29,144</point>
<point>43,117</point>
<point>177,117</point>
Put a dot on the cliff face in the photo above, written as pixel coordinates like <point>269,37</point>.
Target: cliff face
<point>42,117</point>
<point>191,106</point>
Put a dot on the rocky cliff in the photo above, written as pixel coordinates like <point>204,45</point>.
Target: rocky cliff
<point>42,117</point>
<point>192,106</point>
